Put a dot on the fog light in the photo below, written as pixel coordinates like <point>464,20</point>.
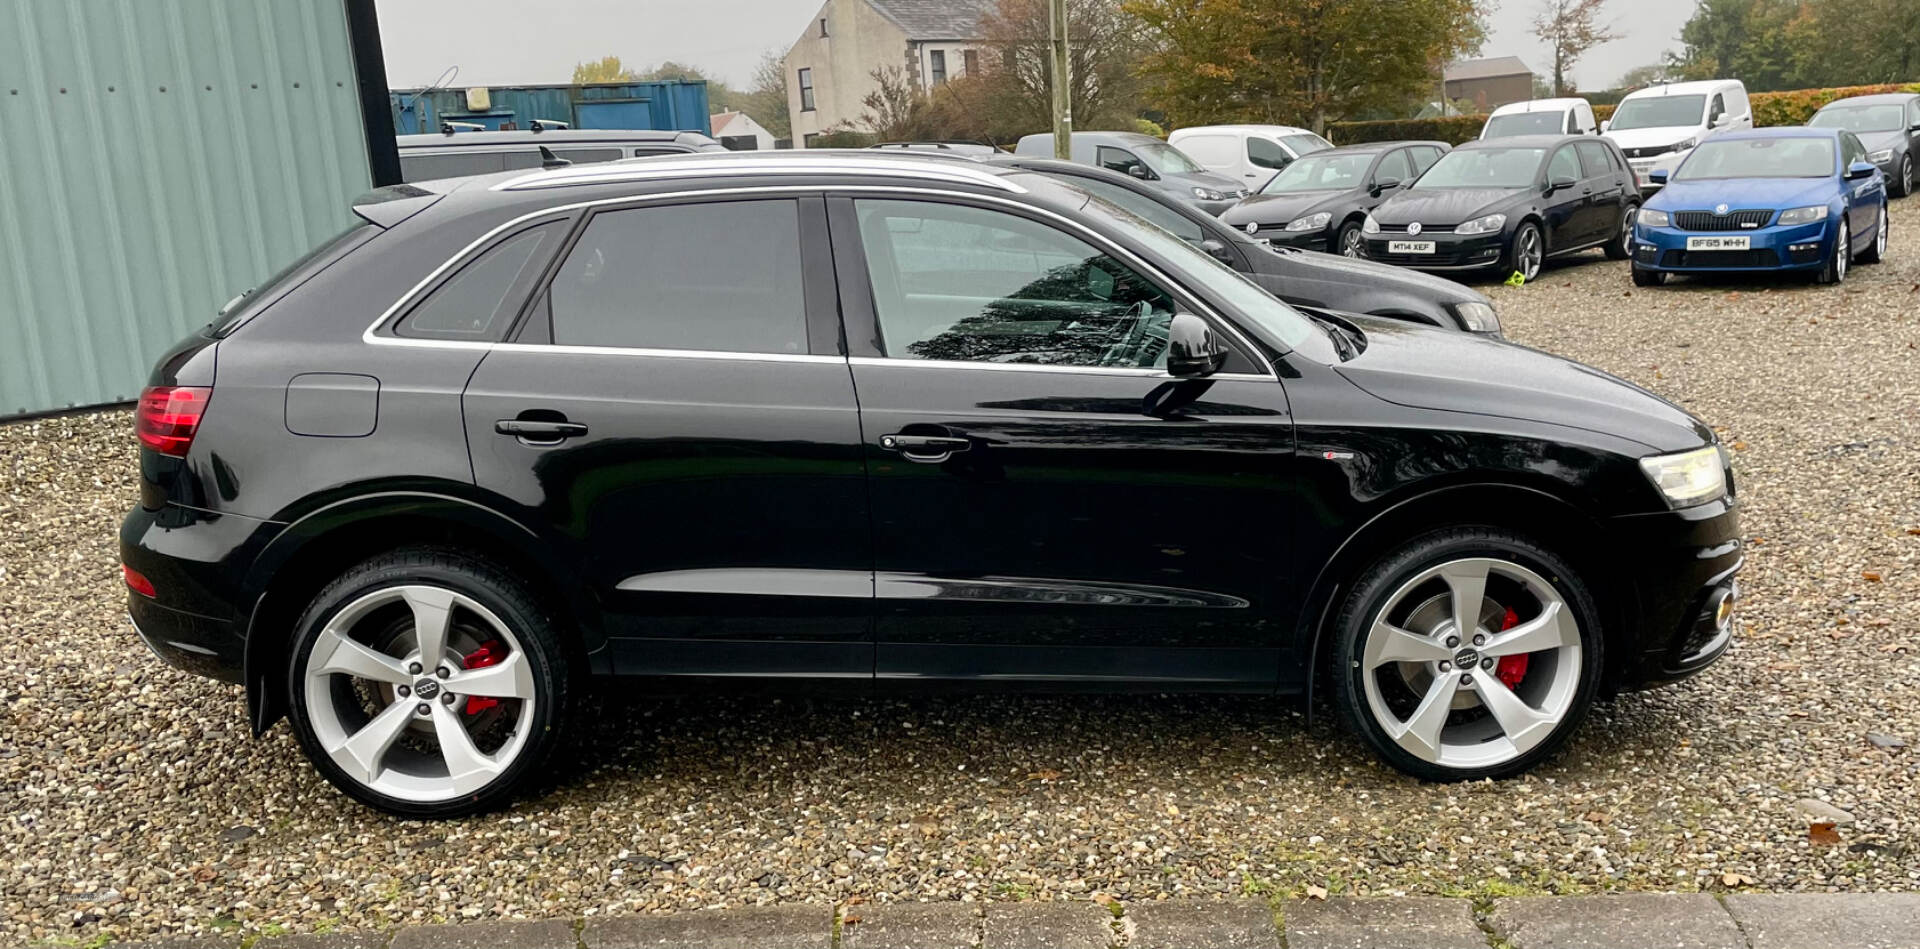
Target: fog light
<point>1487,252</point>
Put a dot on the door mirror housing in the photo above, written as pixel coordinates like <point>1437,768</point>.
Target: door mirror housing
<point>1721,120</point>
<point>1657,176</point>
<point>1216,250</point>
<point>1605,124</point>
<point>1560,183</point>
<point>1860,169</point>
<point>1385,185</point>
<point>1193,350</point>
<point>1140,171</point>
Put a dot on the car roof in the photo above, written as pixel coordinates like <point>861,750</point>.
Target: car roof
<point>1132,138</point>
<point>1526,141</point>
<point>547,137</point>
<point>1244,130</point>
<point>1778,131</point>
<point>1358,147</point>
<point>1540,105</point>
<point>1878,98</point>
<point>1695,87</point>
<point>698,166</point>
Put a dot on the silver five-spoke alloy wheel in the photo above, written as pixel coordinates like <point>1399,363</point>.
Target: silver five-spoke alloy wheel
<point>1528,252</point>
<point>1472,663</point>
<point>419,693</point>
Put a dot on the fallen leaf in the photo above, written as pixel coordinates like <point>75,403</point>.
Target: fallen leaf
<point>850,920</point>
<point>1822,834</point>
<point>1103,899</point>
<point>1915,531</point>
<point>1172,811</point>
<point>1046,775</point>
<point>1736,879</point>
<point>1739,446</point>
<point>1870,576</point>
<point>1316,892</point>
<point>1597,817</point>
<point>206,874</point>
<point>855,900</point>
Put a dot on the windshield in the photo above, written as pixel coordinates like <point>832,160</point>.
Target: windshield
<point>1322,173</point>
<point>1524,123</point>
<point>1302,144</point>
<point>1759,158</point>
<point>1153,211</point>
<point>1483,168</point>
<point>1652,112</point>
<point>1861,118</point>
<point>1165,159</point>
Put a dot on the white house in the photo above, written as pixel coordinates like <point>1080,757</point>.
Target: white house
<point>830,67</point>
<point>738,131</point>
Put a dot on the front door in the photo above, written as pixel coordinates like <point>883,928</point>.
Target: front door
<point>1048,505</point>
<point>1567,210</point>
<point>673,415</point>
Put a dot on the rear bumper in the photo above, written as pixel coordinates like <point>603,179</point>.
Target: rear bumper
<point>198,564</point>
<point>1683,567</point>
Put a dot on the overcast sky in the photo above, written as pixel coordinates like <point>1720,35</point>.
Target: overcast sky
<point>502,42</point>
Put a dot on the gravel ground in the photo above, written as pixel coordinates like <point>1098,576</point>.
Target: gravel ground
<point>135,804</point>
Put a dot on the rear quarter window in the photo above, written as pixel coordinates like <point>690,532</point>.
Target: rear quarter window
<point>480,301</point>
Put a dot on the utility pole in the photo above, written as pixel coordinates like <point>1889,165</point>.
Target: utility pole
<point>1062,80</point>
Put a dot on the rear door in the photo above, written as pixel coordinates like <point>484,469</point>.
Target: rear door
<point>1048,505</point>
<point>677,415</point>
<point>1605,186</point>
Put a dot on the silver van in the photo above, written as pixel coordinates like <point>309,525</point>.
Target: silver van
<point>1146,158</point>
<point>455,154</point>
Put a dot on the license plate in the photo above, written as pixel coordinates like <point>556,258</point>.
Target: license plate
<point>1719,243</point>
<point>1409,247</point>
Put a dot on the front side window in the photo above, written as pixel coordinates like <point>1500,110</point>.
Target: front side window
<point>1716,110</point>
<point>1565,164</point>
<point>1484,168</point>
<point>1265,153</point>
<point>724,277</point>
<point>952,282</point>
<point>1117,159</point>
<point>478,302</point>
<point>1759,158</point>
<point>1854,150</point>
<point>806,90</point>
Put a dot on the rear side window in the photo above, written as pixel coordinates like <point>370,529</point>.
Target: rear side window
<point>1423,158</point>
<point>723,277</point>
<point>1593,157</point>
<point>430,167</point>
<point>288,277</point>
<point>479,302</point>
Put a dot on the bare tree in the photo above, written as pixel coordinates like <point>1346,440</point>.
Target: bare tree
<point>1568,27</point>
<point>1107,44</point>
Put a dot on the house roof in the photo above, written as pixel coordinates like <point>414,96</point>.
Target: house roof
<point>934,19</point>
<point>1486,68</point>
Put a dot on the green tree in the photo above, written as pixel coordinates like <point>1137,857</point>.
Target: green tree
<point>1742,39</point>
<point>605,69</point>
<point>766,98</point>
<point>1299,61</point>
<point>1569,29</point>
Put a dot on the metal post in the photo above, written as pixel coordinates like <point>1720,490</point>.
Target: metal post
<point>1062,80</point>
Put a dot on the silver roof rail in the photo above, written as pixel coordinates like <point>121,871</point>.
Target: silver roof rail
<point>667,167</point>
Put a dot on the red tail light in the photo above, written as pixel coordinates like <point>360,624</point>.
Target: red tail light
<point>137,581</point>
<point>168,417</point>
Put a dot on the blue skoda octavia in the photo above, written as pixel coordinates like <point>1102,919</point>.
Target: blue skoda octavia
<point>1765,199</point>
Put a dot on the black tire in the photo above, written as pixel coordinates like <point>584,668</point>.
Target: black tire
<point>1834,271</point>
<point>508,599</point>
<point>1643,277</point>
<point>1348,242</point>
<point>1874,252</point>
<point>1617,248</point>
<point>1372,591</point>
<point>1511,262</point>
<point>1903,182</point>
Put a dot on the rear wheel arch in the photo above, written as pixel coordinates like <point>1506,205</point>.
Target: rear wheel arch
<point>1553,522</point>
<point>319,547</point>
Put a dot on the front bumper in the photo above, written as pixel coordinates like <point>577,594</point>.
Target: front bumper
<point>197,562</point>
<point>1450,251</point>
<point>1681,567</point>
<point>1799,247</point>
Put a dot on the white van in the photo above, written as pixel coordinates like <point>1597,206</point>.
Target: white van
<point>1572,116</point>
<point>1657,127</point>
<point>1249,154</point>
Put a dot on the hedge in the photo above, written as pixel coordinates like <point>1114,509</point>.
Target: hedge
<point>1793,107</point>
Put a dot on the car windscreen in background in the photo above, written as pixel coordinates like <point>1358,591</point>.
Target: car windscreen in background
<point>1861,118</point>
<point>1652,112</point>
<point>1759,158</point>
<point>1524,123</point>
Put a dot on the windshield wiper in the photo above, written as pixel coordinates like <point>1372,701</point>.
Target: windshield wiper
<point>1341,342</point>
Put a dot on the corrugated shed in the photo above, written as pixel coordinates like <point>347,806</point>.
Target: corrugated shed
<point>656,104</point>
<point>157,158</point>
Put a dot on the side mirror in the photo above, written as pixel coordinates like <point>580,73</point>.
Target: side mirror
<point>1216,250</point>
<point>1860,169</point>
<point>1560,183</point>
<point>1385,185</point>
<point>1193,350</point>
<point>1657,176</point>
<point>1720,120</point>
<point>1606,124</point>
<point>1140,172</point>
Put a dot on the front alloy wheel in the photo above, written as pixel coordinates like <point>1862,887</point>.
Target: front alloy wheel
<point>1351,242</point>
<point>426,684</point>
<point>1835,270</point>
<point>1529,250</point>
<point>1462,659</point>
<point>1878,251</point>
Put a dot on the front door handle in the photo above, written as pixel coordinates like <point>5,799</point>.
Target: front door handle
<point>540,431</point>
<point>926,449</point>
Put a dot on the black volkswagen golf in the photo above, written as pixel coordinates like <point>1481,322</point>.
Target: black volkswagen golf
<point>858,422</point>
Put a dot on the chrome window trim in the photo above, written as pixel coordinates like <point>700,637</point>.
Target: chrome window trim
<point>371,335</point>
<point>1146,373</point>
<point>653,169</point>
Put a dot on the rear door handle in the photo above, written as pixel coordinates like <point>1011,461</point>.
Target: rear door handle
<point>539,430</point>
<point>926,449</point>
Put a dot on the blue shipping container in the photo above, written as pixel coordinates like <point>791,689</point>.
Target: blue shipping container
<point>676,104</point>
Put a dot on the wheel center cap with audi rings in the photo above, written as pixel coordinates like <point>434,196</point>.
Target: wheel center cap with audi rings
<point>427,688</point>
<point>1465,658</point>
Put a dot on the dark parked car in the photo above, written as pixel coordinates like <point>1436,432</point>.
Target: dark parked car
<point>1889,127</point>
<point>1321,200</point>
<point>1302,278</point>
<point>855,422</point>
<point>1146,158</point>
<point>1510,203</point>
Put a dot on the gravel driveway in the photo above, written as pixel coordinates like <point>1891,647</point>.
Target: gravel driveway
<point>134,803</point>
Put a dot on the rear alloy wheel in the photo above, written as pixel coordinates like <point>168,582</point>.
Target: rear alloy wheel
<point>1878,251</point>
<point>1470,654</point>
<point>1350,243</point>
<point>1622,248</point>
<point>426,684</point>
<point>1527,251</point>
<point>1835,270</point>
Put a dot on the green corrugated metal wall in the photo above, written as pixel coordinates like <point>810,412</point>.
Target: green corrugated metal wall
<point>156,158</point>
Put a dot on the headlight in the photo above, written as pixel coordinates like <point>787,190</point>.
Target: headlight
<point>1885,154</point>
<point>1370,226</point>
<point>1682,145</point>
<point>1689,477</point>
<point>1478,317</point>
<point>1804,215</point>
<point>1311,222</point>
<point>1651,218</point>
<point>1483,225</point>
<point>1208,194</point>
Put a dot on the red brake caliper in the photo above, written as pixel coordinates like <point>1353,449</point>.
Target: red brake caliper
<point>493,650</point>
<point>1511,668</point>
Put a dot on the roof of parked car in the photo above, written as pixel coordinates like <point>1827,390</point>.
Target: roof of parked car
<point>1778,131</point>
<point>1696,87</point>
<point>548,137</point>
<point>1361,147</point>
<point>1878,98</point>
<point>1528,141</point>
<point>1540,105</point>
<point>1244,129</point>
<point>813,162</point>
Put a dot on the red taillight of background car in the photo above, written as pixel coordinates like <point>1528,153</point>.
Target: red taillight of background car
<point>168,417</point>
